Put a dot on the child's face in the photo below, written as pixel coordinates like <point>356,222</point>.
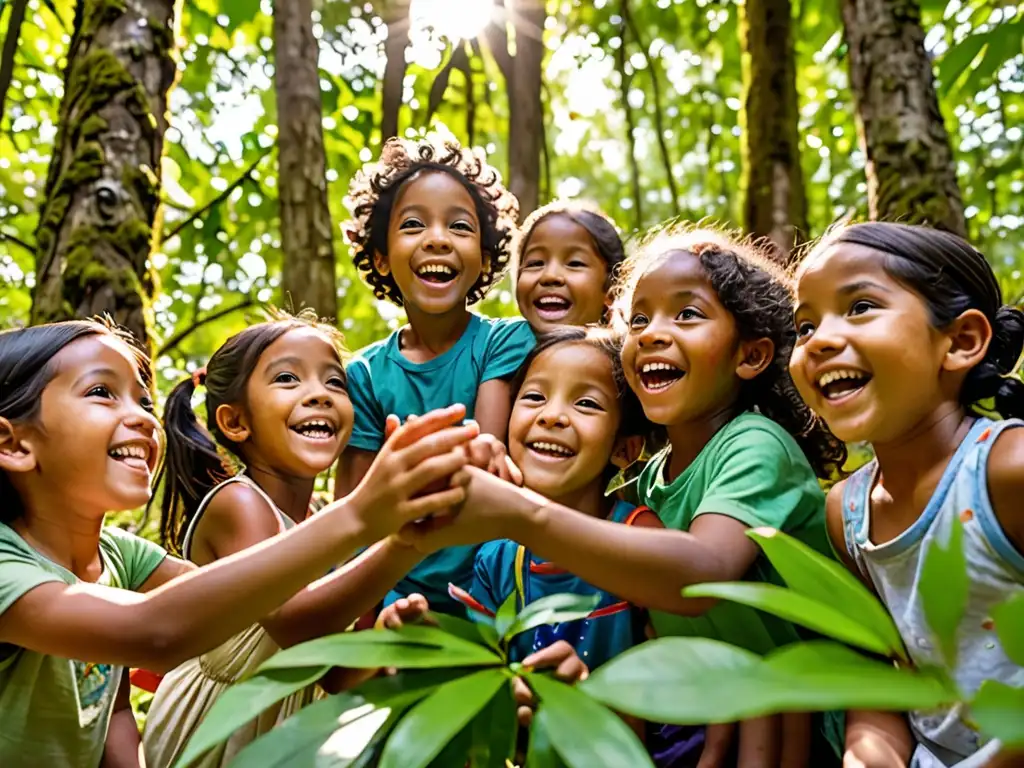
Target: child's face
<point>565,419</point>
<point>562,277</point>
<point>861,337</point>
<point>433,243</point>
<point>298,416</point>
<point>95,441</point>
<point>682,351</point>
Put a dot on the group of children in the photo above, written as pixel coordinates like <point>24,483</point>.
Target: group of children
<point>473,458</point>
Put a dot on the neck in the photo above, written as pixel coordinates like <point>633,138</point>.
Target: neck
<point>688,438</point>
<point>590,500</point>
<point>904,461</point>
<point>290,494</point>
<point>435,334</point>
<point>65,532</point>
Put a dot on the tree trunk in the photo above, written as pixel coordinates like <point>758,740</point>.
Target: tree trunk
<point>10,49</point>
<point>526,114</point>
<point>775,206</point>
<point>308,276</point>
<point>910,169</point>
<point>101,214</point>
<point>396,16</point>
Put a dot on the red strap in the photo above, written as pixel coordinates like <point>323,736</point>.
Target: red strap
<point>462,596</point>
<point>635,514</point>
<point>145,680</point>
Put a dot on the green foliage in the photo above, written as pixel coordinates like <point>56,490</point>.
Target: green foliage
<point>944,588</point>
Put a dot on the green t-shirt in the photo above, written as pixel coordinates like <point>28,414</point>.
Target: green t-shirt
<point>55,711</point>
<point>754,471</point>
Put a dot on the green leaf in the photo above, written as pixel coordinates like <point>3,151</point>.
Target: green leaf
<point>816,576</point>
<point>541,753</point>
<point>505,616</point>
<point>409,647</point>
<point>432,723</point>
<point>480,632</point>
<point>408,686</point>
<point>999,710</point>
<point>1003,44</point>
<point>552,610</point>
<point>793,606</point>
<point>943,588</point>
<point>584,733</point>
<point>956,60</point>
<point>240,703</point>
<point>1009,619</point>
<point>494,731</point>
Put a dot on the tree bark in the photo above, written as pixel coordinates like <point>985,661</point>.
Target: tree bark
<point>10,50</point>
<point>101,215</point>
<point>526,114</point>
<point>775,205</point>
<point>634,168</point>
<point>910,169</point>
<point>396,15</point>
<point>308,273</point>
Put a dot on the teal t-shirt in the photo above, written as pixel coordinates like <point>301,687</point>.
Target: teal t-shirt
<point>56,711</point>
<point>382,381</point>
<point>754,471</point>
<point>613,627</point>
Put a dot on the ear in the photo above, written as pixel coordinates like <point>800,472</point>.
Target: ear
<point>380,263</point>
<point>627,450</point>
<point>969,336</point>
<point>754,357</point>
<point>16,454</point>
<point>232,423</point>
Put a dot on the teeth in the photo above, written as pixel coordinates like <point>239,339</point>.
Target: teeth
<point>551,448</point>
<point>827,378</point>
<point>315,428</point>
<point>440,269</point>
<point>650,367</point>
<point>129,451</point>
<point>552,301</point>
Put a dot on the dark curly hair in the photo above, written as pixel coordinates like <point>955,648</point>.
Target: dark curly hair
<point>950,276</point>
<point>192,464</point>
<point>758,294</point>
<point>372,194</point>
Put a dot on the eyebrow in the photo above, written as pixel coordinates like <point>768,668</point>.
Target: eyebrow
<point>860,285</point>
<point>287,360</point>
<point>101,371</point>
<point>413,208</point>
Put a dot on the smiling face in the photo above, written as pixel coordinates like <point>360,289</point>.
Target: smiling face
<point>562,278</point>
<point>298,416</point>
<point>563,428</point>
<point>862,336</point>
<point>94,443</point>
<point>433,241</point>
<point>682,351</point>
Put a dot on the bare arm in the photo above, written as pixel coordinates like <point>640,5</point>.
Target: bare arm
<point>352,467</point>
<point>199,610</point>
<point>493,408</point>
<point>121,749</point>
<point>1006,484</point>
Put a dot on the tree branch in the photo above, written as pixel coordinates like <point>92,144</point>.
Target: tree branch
<point>200,212</point>
<point>183,334</point>
<point>496,36</point>
<point>458,59</point>
<point>10,49</point>
<point>634,169</point>
<point>467,70</point>
<point>18,241</point>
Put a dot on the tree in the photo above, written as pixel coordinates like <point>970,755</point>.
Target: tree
<point>909,163</point>
<point>396,15</point>
<point>102,196</point>
<point>526,114</point>
<point>308,270</point>
<point>14,22</point>
<point>775,206</point>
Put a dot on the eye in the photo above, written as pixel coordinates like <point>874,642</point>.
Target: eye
<point>533,264</point>
<point>336,381</point>
<point>638,320</point>
<point>689,313</point>
<point>147,404</point>
<point>804,329</point>
<point>285,378</point>
<point>861,306</point>
<point>411,223</point>
<point>578,264</point>
<point>100,390</point>
<point>590,403</point>
<point>532,397</point>
<point>463,226</point>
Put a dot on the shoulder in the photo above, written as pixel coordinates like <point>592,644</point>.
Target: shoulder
<point>1005,479</point>
<point>236,517</point>
<point>752,429</point>
<point>364,361</point>
<point>834,523</point>
<point>506,330</point>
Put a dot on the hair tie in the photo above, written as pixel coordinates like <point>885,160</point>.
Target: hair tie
<point>199,377</point>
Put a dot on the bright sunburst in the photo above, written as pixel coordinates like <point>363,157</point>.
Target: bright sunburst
<point>455,19</point>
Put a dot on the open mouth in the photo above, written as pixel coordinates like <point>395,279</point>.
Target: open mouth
<point>839,384</point>
<point>659,376</point>
<point>315,429</point>
<point>134,455</point>
<point>551,450</point>
<point>552,307</point>
<point>439,274</point>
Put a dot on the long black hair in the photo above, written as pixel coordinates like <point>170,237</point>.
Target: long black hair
<point>951,276</point>
<point>192,464</point>
<point>758,294</point>
<point>26,368</point>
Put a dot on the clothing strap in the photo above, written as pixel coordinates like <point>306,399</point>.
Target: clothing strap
<point>520,583</point>
<point>239,478</point>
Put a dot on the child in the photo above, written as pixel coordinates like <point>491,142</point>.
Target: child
<point>431,228</point>
<point>902,332</point>
<point>292,369</point>
<point>708,343</point>
<point>566,260</point>
<point>78,439</point>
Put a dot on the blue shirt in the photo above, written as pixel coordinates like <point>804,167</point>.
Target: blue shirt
<point>382,381</point>
<point>613,627</point>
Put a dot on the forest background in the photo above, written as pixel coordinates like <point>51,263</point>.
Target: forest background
<point>178,165</point>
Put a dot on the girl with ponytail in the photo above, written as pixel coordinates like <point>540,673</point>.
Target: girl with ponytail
<point>903,341</point>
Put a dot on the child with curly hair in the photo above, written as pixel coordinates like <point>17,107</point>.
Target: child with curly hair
<point>430,232</point>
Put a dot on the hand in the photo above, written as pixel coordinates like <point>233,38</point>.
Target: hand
<point>489,454</point>
<point>417,455</point>
<point>569,668</point>
<point>405,610</point>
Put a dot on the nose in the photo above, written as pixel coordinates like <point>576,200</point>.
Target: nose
<point>827,337</point>
<point>140,419</point>
<point>655,334</point>
<point>437,240</point>
<point>552,274</point>
<point>553,414</point>
<point>318,399</point>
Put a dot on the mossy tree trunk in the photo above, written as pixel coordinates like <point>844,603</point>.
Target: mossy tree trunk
<point>775,205</point>
<point>101,216</point>
<point>396,15</point>
<point>526,111</point>
<point>308,277</point>
<point>910,169</point>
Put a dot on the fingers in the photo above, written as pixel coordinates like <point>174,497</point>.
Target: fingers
<point>437,504</point>
<point>418,427</point>
<point>435,469</point>
<point>569,668</point>
<point>405,610</point>
<point>391,424</point>
<point>525,702</point>
<point>441,441</point>
<point>515,474</point>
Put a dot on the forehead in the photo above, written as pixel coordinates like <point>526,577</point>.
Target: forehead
<point>669,273</point>
<point>436,190</point>
<point>574,364</point>
<point>308,344</point>
<point>558,226</point>
<point>841,264</point>
<point>96,351</point>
